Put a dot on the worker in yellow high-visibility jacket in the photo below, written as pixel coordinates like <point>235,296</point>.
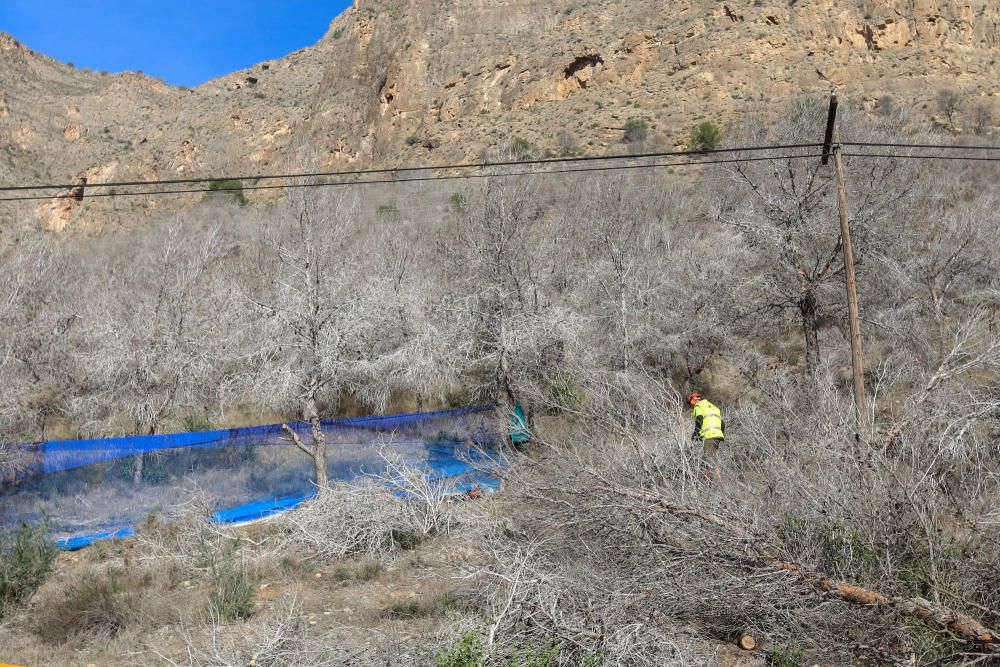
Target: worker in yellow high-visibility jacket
<point>710,428</point>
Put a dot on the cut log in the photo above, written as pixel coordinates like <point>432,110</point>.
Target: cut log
<point>970,629</point>
<point>746,642</point>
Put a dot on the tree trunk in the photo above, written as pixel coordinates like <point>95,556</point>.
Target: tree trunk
<point>319,453</point>
<point>810,330</point>
<point>318,449</point>
<point>137,466</point>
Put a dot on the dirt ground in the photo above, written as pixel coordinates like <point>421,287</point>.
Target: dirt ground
<point>348,603</point>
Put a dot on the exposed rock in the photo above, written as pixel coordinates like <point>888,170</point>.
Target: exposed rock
<point>467,75</point>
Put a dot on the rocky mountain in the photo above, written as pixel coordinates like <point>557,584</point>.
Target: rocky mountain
<point>422,82</point>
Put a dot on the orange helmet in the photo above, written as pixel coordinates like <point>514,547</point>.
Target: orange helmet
<point>693,399</point>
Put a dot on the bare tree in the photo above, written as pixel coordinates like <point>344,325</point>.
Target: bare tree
<point>331,324</point>
<point>981,117</point>
<point>155,340</point>
<point>497,255</point>
<point>786,211</point>
<point>658,281</point>
<point>949,101</point>
<point>38,325</point>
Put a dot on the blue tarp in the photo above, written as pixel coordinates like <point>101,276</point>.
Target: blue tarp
<point>86,489</point>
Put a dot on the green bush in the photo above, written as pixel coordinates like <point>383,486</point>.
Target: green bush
<point>25,562</point>
<point>466,651</point>
<point>781,656</point>
<point>521,148</point>
<point>565,393</point>
<point>704,137</point>
<point>407,540</point>
<point>412,140</point>
<point>635,131</point>
<point>458,202</point>
<point>233,595</point>
<point>546,657</point>
<point>230,186</point>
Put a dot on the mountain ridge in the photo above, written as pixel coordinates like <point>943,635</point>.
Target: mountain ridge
<point>433,83</point>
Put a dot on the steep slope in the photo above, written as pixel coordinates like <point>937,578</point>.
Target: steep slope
<point>416,81</point>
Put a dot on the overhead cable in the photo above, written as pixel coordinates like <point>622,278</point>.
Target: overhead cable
<point>391,170</point>
<point>444,177</point>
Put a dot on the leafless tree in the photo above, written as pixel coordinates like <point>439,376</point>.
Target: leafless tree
<point>949,101</point>
<point>500,264</point>
<point>981,117</point>
<point>156,337</point>
<point>786,211</point>
<point>330,323</point>
<point>38,325</point>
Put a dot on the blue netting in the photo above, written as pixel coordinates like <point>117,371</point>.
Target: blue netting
<point>90,489</point>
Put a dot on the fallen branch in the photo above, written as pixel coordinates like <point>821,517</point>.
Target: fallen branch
<point>934,613</point>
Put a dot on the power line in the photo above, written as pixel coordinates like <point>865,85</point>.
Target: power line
<point>924,157</point>
<point>446,177</point>
<point>899,145</point>
<point>391,170</point>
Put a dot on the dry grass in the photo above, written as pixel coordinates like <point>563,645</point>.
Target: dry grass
<point>100,602</point>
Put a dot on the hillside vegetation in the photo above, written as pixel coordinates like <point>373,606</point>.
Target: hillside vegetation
<point>597,300</point>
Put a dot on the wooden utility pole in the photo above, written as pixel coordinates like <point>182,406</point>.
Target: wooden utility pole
<point>854,317</point>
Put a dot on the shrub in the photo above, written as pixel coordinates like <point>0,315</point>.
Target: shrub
<point>780,656</point>
<point>466,651</point>
<point>96,601</point>
<point>704,137</point>
<point>565,393</point>
<point>458,203</point>
<point>231,186</point>
<point>949,101</point>
<point>565,142</point>
<point>546,657</point>
<point>387,211</point>
<point>412,140</point>
<point>24,564</point>
<point>521,148</point>
<point>233,595</point>
<point>405,539</point>
<point>635,131</point>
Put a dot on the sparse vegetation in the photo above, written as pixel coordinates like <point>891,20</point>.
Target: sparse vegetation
<point>233,594</point>
<point>635,131</point>
<point>26,558</point>
<point>521,149</point>
<point>704,137</point>
<point>231,187</point>
<point>949,101</point>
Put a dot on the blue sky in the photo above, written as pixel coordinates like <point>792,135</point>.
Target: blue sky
<point>185,42</point>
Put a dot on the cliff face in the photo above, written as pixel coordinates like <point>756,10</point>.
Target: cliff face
<point>415,81</point>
